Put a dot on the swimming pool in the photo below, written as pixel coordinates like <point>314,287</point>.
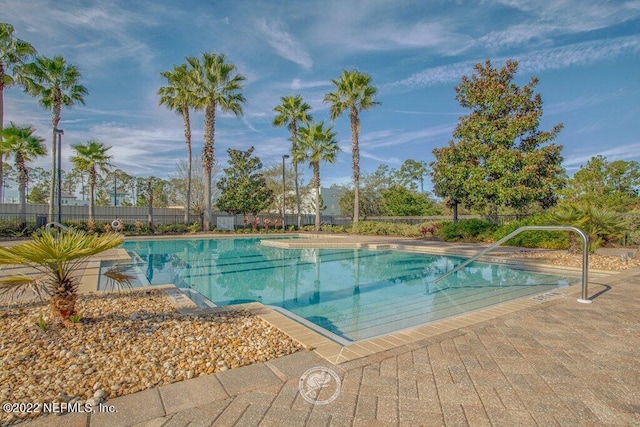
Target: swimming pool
<point>353,294</point>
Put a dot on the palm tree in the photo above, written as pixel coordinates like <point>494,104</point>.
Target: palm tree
<point>354,93</point>
<point>91,158</point>
<point>316,144</point>
<point>57,257</point>
<point>13,52</point>
<point>216,84</point>
<point>179,96</point>
<point>25,146</point>
<point>56,84</point>
<point>291,112</point>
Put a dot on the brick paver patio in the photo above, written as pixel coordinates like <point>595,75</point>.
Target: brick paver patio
<point>558,363</point>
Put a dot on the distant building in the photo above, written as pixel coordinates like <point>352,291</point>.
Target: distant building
<point>70,199</point>
<point>331,199</point>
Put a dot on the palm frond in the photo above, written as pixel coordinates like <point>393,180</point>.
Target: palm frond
<point>16,286</point>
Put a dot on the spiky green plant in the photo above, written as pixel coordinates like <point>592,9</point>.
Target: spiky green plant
<point>57,257</point>
<point>601,225</point>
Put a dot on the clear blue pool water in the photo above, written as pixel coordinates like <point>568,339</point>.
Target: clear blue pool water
<point>352,293</point>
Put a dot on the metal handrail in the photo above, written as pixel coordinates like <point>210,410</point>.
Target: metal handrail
<point>56,224</point>
<point>585,253</point>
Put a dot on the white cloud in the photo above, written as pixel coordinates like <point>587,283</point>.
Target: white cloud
<point>572,16</point>
<point>577,54</point>
<point>390,160</point>
<point>284,44</point>
<point>517,35</point>
<point>395,137</point>
<point>297,84</point>
<point>620,152</point>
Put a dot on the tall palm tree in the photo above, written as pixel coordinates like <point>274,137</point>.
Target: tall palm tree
<point>216,84</point>
<point>92,158</point>
<point>316,144</point>
<point>56,84</point>
<point>13,52</point>
<point>25,146</point>
<point>292,111</point>
<point>178,96</point>
<point>354,93</point>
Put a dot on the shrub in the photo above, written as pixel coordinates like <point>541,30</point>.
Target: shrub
<point>376,228</point>
<point>429,229</point>
<point>466,230</point>
<point>171,228</point>
<point>600,224</point>
<point>533,239</point>
<point>14,229</point>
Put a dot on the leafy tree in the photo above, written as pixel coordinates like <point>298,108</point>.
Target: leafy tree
<point>39,184</point>
<point>37,196</point>
<point>273,179</point>
<point>411,173</point>
<point>613,185</point>
<point>400,201</point>
<point>243,187</point>
<point>216,84</point>
<point>13,52</point>
<point>179,95</point>
<point>178,184</point>
<point>370,193</point>
<point>25,146</point>
<point>498,158</point>
<point>117,180</point>
<point>292,111</point>
<point>354,93</point>
<point>9,175</point>
<point>56,83</point>
<point>316,144</point>
<point>71,180</point>
<point>92,158</point>
<point>160,193</point>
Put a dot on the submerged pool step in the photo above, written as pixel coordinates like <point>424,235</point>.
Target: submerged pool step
<point>373,320</point>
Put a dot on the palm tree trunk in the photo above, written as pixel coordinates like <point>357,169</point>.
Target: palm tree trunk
<point>1,127</point>
<point>207,161</point>
<point>92,191</point>
<point>52,189</point>
<point>149,205</point>
<point>355,152</point>
<point>22,183</point>
<point>295,173</point>
<point>294,134</point>
<point>316,183</point>
<point>187,139</point>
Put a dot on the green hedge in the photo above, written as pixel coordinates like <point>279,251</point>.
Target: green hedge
<point>466,230</point>
<point>375,228</point>
<point>533,239</point>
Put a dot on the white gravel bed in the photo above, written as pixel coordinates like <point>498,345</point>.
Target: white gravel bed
<point>126,342</point>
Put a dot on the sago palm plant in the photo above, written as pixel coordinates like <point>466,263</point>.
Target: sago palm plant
<point>57,257</point>
<point>601,225</point>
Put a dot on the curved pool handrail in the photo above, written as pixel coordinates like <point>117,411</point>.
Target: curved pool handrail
<point>585,253</point>
<point>58,225</point>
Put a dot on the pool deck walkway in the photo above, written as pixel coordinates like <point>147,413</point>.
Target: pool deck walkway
<point>557,362</point>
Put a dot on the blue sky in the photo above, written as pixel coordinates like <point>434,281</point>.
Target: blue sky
<point>586,54</point>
